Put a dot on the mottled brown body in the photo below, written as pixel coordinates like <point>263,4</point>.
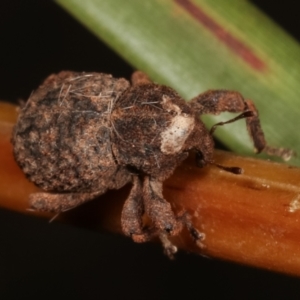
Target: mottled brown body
<point>60,143</point>
<point>80,134</point>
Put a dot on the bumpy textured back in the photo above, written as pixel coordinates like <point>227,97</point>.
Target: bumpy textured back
<point>62,138</point>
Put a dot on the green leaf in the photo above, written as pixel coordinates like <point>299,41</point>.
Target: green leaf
<point>195,45</point>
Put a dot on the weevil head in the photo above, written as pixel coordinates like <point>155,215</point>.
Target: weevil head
<point>200,140</point>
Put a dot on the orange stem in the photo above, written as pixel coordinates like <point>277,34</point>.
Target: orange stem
<point>253,218</point>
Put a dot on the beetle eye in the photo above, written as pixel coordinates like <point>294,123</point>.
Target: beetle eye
<point>200,162</point>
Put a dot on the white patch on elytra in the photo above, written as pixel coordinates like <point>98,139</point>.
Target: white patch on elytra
<point>174,137</point>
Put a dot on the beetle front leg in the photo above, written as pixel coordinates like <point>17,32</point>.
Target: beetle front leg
<point>165,223</point>
<point>160,212</point>
<point>158,209</point>
<point>132,213</point>
<point>217,101</point>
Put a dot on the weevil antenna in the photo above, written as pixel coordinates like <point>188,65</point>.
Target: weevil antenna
<point>234,170</point>
<point>201,162</point>
<point>245,114</point>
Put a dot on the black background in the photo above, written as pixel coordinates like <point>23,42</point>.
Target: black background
<point>57,261</point>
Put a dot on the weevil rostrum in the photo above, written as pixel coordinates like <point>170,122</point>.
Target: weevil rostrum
<point>80,134</point>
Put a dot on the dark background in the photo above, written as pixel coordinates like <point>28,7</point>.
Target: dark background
<point>56,261</point>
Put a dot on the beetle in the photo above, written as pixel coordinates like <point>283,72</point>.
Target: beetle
<point>80,134</point>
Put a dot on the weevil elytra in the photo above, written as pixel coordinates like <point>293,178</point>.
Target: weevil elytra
<point>80,134</point>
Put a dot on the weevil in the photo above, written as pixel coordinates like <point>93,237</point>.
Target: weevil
<point>80,134</point>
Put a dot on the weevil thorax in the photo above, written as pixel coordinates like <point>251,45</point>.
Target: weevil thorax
<point>151,126</point>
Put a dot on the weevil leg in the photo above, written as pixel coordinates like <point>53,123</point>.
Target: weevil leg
<point>138,78</point>
<point>257,135</point>
<point>186,220</point>
<point>160,212</point>
<point>57,203</point>
<point>158,209</point>
<point>164,220</point>
<point>217,101</point>
<point>132,213</point>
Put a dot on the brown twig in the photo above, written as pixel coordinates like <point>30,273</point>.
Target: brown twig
<point>253,218</point>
